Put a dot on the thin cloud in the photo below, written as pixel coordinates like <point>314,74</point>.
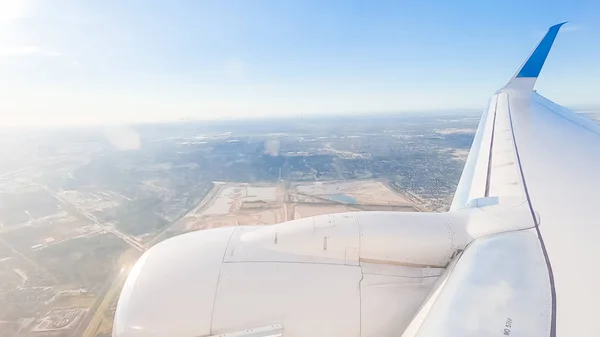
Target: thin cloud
<point>27,51</point>
<point>564,29</point>
<point>571,28</point>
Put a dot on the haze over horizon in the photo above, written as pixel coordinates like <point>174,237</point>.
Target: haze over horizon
<point>72,62</point>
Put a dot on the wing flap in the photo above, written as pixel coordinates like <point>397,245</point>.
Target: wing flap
<point>497,288</point>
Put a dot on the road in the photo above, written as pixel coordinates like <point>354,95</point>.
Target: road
<point>104,302</point>
<point>8,174</point>
<point>285,200</point>
<point>128,239</point>
<point>208,199</point>
<point>131,241</point>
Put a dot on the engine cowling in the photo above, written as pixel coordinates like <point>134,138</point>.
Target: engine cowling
<point>347,274</point>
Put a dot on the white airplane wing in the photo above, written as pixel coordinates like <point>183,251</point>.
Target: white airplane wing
<point>529,149</point>
<point>515,255</point>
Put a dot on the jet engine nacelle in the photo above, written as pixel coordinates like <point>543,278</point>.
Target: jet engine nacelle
<point>347,274</point>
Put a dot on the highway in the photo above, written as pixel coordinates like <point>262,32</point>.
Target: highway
<point>97,317</point>
<point>128,239</point>
<point>208,199</point>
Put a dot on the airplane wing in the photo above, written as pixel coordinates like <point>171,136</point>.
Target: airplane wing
<point>529,149</point>
<point>514,256</point>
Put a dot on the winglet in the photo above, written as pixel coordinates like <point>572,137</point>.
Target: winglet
<point>525,77</point>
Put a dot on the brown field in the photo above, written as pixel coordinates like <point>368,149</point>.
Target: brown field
<point>365,192</point>
<point>231,204</point>
<point>74,300</point>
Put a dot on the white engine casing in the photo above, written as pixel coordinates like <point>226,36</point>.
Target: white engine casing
<point>347,274</point>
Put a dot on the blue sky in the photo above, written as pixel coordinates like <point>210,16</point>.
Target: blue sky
<point>69,62</point>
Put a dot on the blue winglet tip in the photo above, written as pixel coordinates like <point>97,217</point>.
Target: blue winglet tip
<point>558,25</point>
<point>535,62</point>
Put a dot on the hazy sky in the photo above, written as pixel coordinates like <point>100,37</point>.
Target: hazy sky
<point>115,60</point>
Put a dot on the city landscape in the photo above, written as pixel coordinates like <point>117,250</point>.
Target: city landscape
<point>78,206</point>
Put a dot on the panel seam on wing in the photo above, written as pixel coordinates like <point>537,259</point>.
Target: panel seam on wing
<point>539,233</point>
<point>489,168</point>
<point>212,315</point>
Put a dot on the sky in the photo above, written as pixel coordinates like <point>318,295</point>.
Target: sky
<point>112,61</point>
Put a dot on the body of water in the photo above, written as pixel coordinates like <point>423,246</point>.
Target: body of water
<point>342,198</point>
